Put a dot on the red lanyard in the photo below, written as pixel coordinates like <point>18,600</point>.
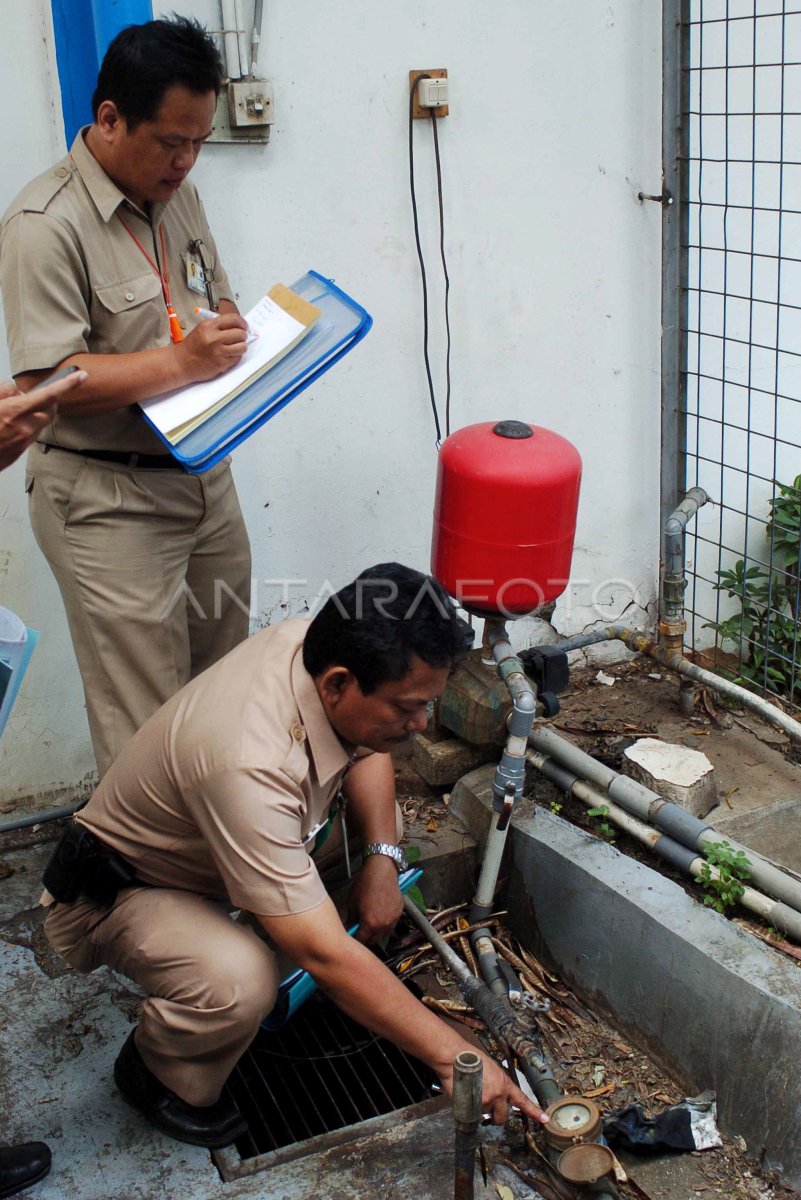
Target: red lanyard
<point>176,333</point>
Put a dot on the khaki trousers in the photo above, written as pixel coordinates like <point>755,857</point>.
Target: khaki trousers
<point>154,571</point>
<point>210,980</point>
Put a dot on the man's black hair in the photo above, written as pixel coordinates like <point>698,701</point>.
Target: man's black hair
<point>378,624</point>
<point>143,61</point>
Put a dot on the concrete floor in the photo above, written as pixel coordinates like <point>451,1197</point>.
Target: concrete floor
<point>60,1032</point>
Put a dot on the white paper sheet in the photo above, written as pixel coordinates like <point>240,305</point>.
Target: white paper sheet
<point>277,332</point>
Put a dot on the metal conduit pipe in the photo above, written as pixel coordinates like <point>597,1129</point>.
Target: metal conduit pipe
<point>781,916</point>
<point>669,818</point>
<point>255,37</point>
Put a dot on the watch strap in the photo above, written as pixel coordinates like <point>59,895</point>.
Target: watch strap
<point>388,849</point>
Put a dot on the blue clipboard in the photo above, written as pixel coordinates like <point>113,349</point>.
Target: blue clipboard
<point>341,325</point>
<point>296,989</point>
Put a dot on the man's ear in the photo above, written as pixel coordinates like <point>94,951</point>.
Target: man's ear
<point>109,120</point>
<point>333,684</point>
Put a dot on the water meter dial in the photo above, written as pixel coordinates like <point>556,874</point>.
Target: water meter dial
<point>572,1119</point>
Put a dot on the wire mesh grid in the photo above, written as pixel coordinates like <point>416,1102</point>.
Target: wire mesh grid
<point>742,383</point>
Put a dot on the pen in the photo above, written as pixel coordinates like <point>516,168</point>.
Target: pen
<point>210,315</point>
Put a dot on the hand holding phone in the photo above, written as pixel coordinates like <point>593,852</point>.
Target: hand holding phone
<point>24,415</point>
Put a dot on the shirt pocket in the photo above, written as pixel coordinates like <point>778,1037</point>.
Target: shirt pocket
<point>130,315</point>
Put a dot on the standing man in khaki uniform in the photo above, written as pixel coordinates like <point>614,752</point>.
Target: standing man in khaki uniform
<point>96,260</point>
<point>222,799</point>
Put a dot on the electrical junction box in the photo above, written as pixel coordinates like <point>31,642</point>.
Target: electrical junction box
<point>250,102</point>
<point>245,112</point>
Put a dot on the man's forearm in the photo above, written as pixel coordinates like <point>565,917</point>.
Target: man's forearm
<point>370,792</point>
<point>368,991</point>
<point>115,380</point>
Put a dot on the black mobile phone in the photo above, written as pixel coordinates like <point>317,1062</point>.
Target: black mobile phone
<point>54,378</point>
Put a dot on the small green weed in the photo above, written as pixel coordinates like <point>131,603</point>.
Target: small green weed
<point>603,828</point>
<point>723,886</point>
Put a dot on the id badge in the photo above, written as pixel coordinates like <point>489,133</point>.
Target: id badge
<point>195,274</point>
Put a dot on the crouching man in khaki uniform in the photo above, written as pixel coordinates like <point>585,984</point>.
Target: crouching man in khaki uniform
<point>217,803</point>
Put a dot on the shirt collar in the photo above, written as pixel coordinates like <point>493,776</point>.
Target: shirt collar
<point>105,194</point>
<point>327,751</point>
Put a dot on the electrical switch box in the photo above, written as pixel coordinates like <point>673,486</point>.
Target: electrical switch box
<point>432,92</point>
<point>245,112</point>
<point>430,96</point>
<point>250,102</point>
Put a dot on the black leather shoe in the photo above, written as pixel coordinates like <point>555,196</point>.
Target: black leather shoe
<point>22,1166</point>
<point>214,1126</point>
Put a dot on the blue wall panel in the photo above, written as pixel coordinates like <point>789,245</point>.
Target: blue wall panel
<point>83,30</point>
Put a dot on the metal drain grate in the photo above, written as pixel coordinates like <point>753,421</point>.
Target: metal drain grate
<point>320,1073</point>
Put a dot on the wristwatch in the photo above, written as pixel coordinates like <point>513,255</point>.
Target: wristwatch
<point>393,852</point>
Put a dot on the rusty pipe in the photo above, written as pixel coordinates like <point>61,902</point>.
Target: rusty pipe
<point>498,1017</point>
<point>468,1078</point>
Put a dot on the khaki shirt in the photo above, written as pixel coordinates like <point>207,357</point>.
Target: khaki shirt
<point>74,281</point>
<point>220,792</point>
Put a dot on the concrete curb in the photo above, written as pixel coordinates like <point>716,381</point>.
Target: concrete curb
<point>705,997</point>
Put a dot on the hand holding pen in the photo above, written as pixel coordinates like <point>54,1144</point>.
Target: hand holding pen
<point>213,346</point>
<point>210,315</point>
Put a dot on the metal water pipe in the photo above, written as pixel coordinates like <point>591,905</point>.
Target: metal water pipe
<point>468,1077</point>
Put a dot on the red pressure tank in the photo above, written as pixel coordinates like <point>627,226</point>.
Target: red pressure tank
<point>505,516</point>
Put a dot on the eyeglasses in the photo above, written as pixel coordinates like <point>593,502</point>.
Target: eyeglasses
<point>196,247</point>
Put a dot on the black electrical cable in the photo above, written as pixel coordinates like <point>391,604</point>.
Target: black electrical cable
<point>412,91</point>
<point>447,278</point>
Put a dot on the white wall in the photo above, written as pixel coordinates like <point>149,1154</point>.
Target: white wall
<point>555,278</point>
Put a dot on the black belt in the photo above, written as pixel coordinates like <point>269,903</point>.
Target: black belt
<point>153,461</point>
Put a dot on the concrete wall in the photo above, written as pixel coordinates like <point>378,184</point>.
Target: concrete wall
<point>554,265</point>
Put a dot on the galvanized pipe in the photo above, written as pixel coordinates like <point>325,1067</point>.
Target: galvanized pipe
<point>468,1077</point>
<point>673,580</point>
<point>673,658</point>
